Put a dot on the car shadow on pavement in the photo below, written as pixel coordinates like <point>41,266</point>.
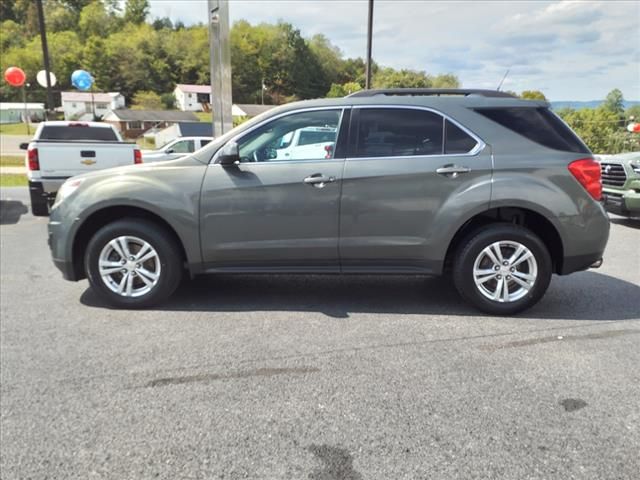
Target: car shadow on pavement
<point>627,222</point>
<point>11,211</point>
<point>582,296</point>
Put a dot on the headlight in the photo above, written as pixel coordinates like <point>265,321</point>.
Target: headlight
<point>635,165</point>
<point>67,189</point>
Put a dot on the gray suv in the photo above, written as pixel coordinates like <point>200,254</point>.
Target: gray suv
<point>495,191</point>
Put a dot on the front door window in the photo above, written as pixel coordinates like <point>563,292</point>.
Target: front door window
<point>305,136</point>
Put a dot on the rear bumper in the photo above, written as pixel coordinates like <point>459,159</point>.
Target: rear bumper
<point>580,262</point>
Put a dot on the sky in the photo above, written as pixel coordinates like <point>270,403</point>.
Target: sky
<point>569,50</point>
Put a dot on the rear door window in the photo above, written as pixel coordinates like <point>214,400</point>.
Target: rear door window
<point>539,125</point>
<point>399,132</point>
<point>77,132</point>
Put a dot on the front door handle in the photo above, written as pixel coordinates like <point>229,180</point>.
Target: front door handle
<point>452,171</point>
<point>318,180</point>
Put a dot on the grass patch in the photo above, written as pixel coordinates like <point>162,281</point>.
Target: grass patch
<point>11,161</point>
<point>13,180</point>
<point>17,128</point>
<point>203,116</point>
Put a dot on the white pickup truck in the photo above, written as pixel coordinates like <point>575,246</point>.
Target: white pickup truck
<point>60,150</point>
<point>175,149</point>
<point>308,142</point>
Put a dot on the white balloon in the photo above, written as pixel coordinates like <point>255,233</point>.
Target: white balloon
<point>41,77</point>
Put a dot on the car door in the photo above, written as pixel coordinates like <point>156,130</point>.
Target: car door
<point>270,214</point>
<point>406,168</point>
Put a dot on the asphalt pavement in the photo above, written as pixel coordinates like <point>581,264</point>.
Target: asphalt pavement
<point>309,377</point>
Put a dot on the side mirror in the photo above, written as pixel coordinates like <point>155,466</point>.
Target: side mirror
<point>24,146</point>
<point>229,155</point>
<point>170,150</point>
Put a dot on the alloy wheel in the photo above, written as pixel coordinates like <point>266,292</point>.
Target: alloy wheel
<point>505,271</point>
<point>129,266</point>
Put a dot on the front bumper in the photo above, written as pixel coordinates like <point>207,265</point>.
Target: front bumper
<point>622,202</point>
<point>60,252</point>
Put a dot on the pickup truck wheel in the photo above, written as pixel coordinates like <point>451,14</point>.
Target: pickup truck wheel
<point>39,204</point>
<point>502,269</point>
<point>133,263</point>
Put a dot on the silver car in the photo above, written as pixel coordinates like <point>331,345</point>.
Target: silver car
<point>495,191</point>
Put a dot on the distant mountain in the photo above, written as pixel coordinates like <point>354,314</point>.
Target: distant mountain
<point>588,104</point>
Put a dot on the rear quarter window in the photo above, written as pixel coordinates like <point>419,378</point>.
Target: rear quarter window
<point>63,132</point>
<point>539,125</point>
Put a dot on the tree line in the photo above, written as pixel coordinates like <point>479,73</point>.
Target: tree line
<point>144,59</point>
<point>127,52</point>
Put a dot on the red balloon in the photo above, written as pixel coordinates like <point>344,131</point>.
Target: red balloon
<point>15,76</point>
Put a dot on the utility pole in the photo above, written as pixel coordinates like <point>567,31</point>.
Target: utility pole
<point>45,52</point>
<point>367,84</point>
<point>220,65</point>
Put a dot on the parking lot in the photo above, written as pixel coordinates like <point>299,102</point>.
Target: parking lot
<point>287,377</point>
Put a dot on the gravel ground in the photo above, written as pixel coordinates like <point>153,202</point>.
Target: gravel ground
<point>285,377</point>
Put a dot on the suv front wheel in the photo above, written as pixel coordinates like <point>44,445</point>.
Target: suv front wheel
<point>133,263</point>
<point>503,269</point>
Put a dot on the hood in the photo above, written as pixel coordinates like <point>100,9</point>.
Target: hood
<point>141,168</point>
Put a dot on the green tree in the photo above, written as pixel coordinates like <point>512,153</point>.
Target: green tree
<point>136,11</point>
<point>59,17</point>
<point>343,90</point>
<point>533,95</point>
<point>11,35</point>
<point>95,20</point>
<point>596,126</point>
<point>614,102</point>
<point>447,80</point>
<point>146,100</point>
<point>633,112</point>
<point>329,56</point>
<point>168,101</point>
<point>405,78</point>
<point>97,59</point>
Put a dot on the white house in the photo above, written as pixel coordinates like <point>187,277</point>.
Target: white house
<point>193,98</point>
<point>11,112</point>
<point>77,104</point>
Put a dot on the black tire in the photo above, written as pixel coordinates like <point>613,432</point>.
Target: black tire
<point>471,249</point>
<point>39,205</point>
<point>163,242</point>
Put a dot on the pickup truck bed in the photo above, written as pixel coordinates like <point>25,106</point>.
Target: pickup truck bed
<point>51,161</point>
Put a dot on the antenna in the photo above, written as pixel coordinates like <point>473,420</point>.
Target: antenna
<point>502,81</point>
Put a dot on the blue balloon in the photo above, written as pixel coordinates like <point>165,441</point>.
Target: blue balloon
<point>81,79</point>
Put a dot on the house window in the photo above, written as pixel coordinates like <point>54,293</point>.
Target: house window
<point>134,125</point>
<point>73,105</point>
<point>103,106</point>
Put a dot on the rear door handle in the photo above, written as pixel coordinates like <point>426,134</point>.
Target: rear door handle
<point>452,171</point>
<point>318,180</point>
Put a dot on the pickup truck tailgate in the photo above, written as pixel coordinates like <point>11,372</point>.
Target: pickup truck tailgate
<point>65,160</point>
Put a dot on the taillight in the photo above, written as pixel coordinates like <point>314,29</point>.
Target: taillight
<point>137,156</point>
<point>32,158</point>
<point>587,172</point>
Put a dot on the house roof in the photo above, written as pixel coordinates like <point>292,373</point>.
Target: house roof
<point>195,129</point>
<point>194,88</point>
<point>250,110</point>
<point>86,96</point>
<point>173,116</point>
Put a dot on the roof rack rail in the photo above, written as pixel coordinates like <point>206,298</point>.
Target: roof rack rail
<point>431,91</point>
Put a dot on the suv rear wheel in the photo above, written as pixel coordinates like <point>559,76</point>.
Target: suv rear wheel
<point>133,263</point>
<point>502,269</point>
